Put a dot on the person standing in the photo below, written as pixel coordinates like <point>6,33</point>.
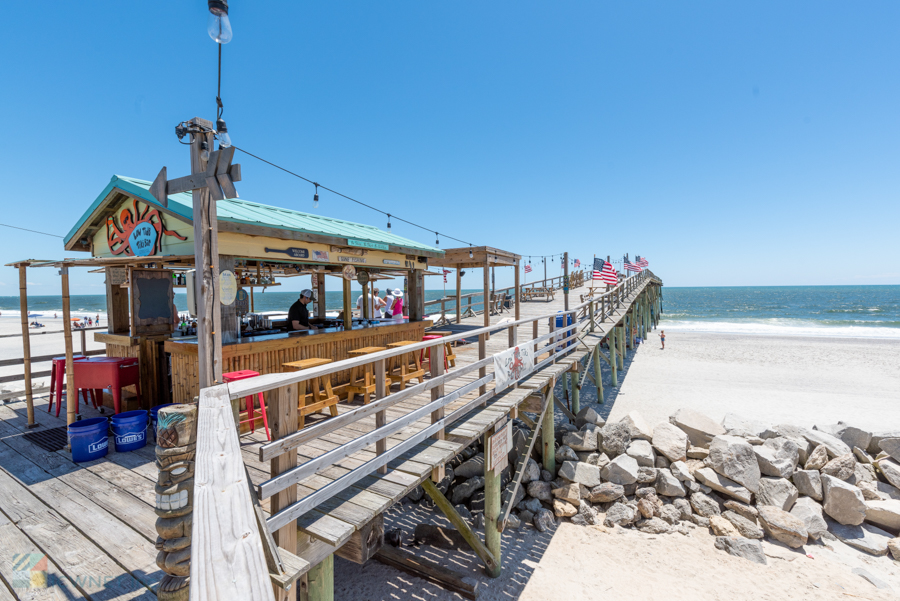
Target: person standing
<point>298,314</point>
<point>388,304</point>
<point>379,304</point>
<point>397,309</point>
<point>662,338</point>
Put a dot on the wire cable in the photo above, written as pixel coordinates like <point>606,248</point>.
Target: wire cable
<point>27,230</point>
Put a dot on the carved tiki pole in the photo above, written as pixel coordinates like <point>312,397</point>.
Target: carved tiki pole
<point>176,446</point>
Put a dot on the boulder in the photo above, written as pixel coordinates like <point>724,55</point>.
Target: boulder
<point>667,484</point>
<point>546,476</point>
<point>563,509</point>
<point>615,438</point>
<point>894,548</point>
<point>565,453</point>
<point>835,446</point>
<point>699,428</point>
<point>544,520</point>
<point>588,416</point>
<point>722,527</point>
<point>583,440</point>
<point>582,473</point>
<point>783,526</point>
<point>884,514</point>
<point>750,550</point>
<point>619,514</point>
<point>745,527</point>
<point>748,511</point>
<point>890,469</point>
<point>684,507</point>
<point>540,490</point>
<point>471,468</point>
<point>811,513</point>
<point>739,423</point>
<point>809,483</point>
<point>817,459</point>
<point>791,433</point>
<point>653,525</point>
<point>588,513</point>
<point>520,493</point>
<point>601,461</point>
<point>704,505</point>
<point>646,475</point>
<point>671,442</point>
<point>646,508</point>
<point>843,502</point>
<point>855,437</point>
<point>526,516</point>
<point>532,471</point>
<point>513,521</point>
<point>875,444</point>
<point>621,470</point>
<point>463,491</point>
<point>734,458</point>
<point>777,457</point>
<point>670,514</point>
<point>722,484</point>
<point>841,467</point>
<point>570,493</point>
<point>476,501</point>
<point>640,428</point>
<point>642,452</point>
<point>662,462</point>
<point>864,537</point>
<point>680,470</point>
<point>532,505</point>
<point>886,491</point>
<point>697,453</point>
<point>891,446</point>
<point>776,492</point>
<point>607,492</point>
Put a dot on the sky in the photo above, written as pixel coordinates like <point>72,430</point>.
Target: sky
<point>729,143</point>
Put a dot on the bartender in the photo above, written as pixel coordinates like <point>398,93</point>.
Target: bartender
<point>298,314</point>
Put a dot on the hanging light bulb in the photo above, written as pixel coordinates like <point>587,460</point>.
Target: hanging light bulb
<point>316,198</point>
<point>470,251</point>
<point>204,150</point>
<point>222,133</point>
<point>437,242</point>
<point>389,222</point>
<point>218,25</point>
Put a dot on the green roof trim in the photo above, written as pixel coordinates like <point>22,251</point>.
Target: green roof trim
<point>238,210</point>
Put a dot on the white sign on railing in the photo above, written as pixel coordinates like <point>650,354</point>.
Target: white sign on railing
<point>513,364</point>
<point>499,446</point>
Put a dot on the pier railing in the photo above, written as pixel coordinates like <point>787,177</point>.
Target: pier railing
<point>219,480</point>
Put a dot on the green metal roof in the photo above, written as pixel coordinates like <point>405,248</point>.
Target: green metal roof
<point>238,210</point>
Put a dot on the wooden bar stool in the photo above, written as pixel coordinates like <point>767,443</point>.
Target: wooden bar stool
<point>448,348</point>
<point>409,365</point>
<point>363,382</point>
<point>243,374</point>
<point>317,397</point>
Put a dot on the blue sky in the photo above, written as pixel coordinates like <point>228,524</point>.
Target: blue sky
<point>731,143</point>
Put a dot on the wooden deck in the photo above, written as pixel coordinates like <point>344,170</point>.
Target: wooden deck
<point>95,521</point>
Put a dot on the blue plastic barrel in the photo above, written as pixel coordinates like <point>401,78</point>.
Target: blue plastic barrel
<point>559,326</point>
<point>154,411</point>
<point>89,439</point>
<point>130,430</point>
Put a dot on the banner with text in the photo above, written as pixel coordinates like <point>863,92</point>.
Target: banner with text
<point>513,364</point>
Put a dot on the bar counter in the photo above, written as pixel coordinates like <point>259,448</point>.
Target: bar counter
<point>267,353</point>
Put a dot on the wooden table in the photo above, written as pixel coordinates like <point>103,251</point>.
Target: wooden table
<point>319,397</point>
<point>363,384</point>
<point>448,348</point>
<point>402,363</point>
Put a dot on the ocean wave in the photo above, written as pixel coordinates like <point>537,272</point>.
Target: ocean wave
<point>775,327</point>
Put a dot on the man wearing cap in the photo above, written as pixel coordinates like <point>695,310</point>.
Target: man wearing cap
<point>298,314</point>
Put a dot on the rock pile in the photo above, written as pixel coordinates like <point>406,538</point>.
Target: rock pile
<point>741,480</point>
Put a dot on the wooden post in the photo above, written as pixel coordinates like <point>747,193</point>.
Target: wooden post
<point>348,315</point>
<point>458,294</point>
<point>436,365</point>
<point>598,374</point>
<point>381,416</point>
<point>518,293</point>
<point>621,339</point>
<point>566,281</point>
<point>576,399</point>
<point>321,580</point>
<point>282,412</point>
<point>206,261</point>
<point>482,371</point>
<point>320,292</point>
<point>487,296</point>
<point>71,392</point>
<point>613,361</point>
<point>555,350</point>
<point>252,302</point>
<point>534,334</point>
<point>492,506</point>
<point>547,439</point>
<point>364,311</point>
<point>26,344</point>
<point>117,305</point>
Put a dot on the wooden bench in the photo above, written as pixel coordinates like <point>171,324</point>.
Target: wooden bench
<point>533,293</point>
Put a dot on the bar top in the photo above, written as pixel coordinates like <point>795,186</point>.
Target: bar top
<point>298,334</point>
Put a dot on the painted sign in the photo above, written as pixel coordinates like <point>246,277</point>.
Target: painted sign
<point>513,364</point>
<point>242,302</point>
<point>500,444</point>
<point>362,277</point>
<point>366,244</point>
<point>293,252</point>
<point>320,255</point>
<point>137,233</point>
<point>391,262</point>
<point>227,287</point>
<point>349,272</point>
<point>314,280</point>
<point>117,275</point>
<point>343,259</point>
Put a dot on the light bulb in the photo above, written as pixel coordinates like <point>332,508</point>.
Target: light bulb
<point>204,151</point>
<point>389,222</point>
<point>218,25</point>
<point>470,253</point>
<point>222,133</point>
<point>316,201</point>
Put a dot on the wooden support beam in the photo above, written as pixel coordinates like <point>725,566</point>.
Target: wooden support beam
<point>487,295</point>
<point>598,374</point>
<point>282,411</point>
<point>443,576</point>
<point>518,293</point>
<point>520,471</point>
<point>347,305</point>
<point>320,295</point>
<point>492,491</point>
<point>547,439</point>
<point>321,580</point>
<point>482,354</point>
<point>458,295</point>
<point>562,407</point>
<point>611,342</point>
<point>576,399</point>
<point>71,392</point>
<point>26,345</point>
<point>436,364</point>
<point>381,416</point>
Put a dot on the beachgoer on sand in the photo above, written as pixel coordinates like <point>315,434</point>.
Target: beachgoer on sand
<point>662,338</point>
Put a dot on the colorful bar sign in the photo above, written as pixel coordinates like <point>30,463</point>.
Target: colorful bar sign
<point>366,244</point>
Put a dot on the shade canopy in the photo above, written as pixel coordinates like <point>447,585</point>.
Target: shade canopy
<point>474,257</point>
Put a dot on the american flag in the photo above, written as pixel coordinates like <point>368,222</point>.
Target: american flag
<point>629,266</point>
<point>527,268</point>
<point>446,271</point>
<point>642,261</point>
<point>604,272</point>
<point>577,263</point>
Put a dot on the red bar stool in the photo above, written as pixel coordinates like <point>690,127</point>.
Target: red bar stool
<point>58,374</point>
<point>243,374</point>
<point>422,353</point>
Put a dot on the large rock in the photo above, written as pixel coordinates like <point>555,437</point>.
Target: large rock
<point>583,440</point>
<point>748,511</point>
<point>722,527</point>
<point>471,468</point>
<point>777,492</point>
<point>680,470</point>
<point>777,457</point>
<point>544,520</point>
<point>885,514</point>
<point>704,505</point>
<point>737,423</point>
<point>699,428</point>
<point>647,508</point>
<point>563,509</point>
<point>463,491</point>
<point>817,459</point>
<point>684,507</point>
<point>750,550</point>
<point>570,493</point>
<point>855,437</point>
<point>667,484</point>
<point>894,548</point>
<point>588,416</point>
<point>864,537</point>
<point>587,512</point>
<point>811,513</point>
<point>540,490</point>
<point>735,459</point>
<point>619,514</point>
<point>582,473</point>
<point>841,467</point>
<point>792,433</point>
<point>783,526</point>
<point>615,438</point>
<point>722,484</point>
<point>809,483</point>
<point>843,502</point>
<point>640,428</point>
<point>745,527</point>
<point>670,441</point>
<point>835,446</point>
<point>642,452</point>
<point>653,525</point>
<point>890,469</point>
<point>607,492</point>
<point>531,472</point>
<point>670,513</point>
<point>646,475</point>
<point>621,470</point>
<point>520,493</point>
<point>891,446</point>
<point>565,453</point>
<point>875,444</point>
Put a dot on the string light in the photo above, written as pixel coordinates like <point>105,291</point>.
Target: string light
<point>437,242</point>
<point>470,251</point>
<point>389,222</point>
<point>316,199</point>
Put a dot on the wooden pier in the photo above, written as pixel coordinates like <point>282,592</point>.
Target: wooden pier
<point>321,490</point>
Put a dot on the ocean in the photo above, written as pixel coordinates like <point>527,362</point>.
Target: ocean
<point>838,311</point>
